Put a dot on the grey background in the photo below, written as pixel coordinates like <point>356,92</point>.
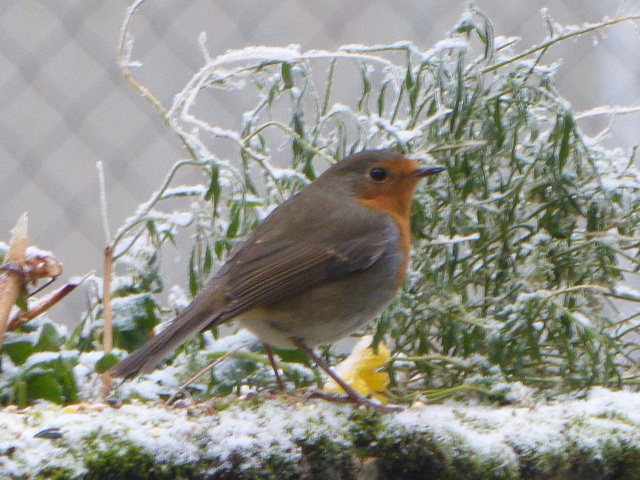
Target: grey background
<point>65,106</point>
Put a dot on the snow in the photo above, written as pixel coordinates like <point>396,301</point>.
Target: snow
<point>185,191</point>
<point>503,42</point>
<point>155,429</point>
<point>33,251</point>
<point>481,431</point>
<point>230,342</point>
<point>449,240</point>
<point>541,427</point>
<point>608,110</point>
<point>623,290</point>
<point>125,308</point>
<point>281,54</point>
<point>47,357</point>
<point>443,45</point>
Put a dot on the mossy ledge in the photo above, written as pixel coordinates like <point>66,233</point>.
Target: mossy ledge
<point>593,436</point>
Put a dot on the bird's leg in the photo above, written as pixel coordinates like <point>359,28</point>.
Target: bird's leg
<point>352,395</point>
<point>274,365</point>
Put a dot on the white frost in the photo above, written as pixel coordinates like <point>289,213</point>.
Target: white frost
<point>182,436</point>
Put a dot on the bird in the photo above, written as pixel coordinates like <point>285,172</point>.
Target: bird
<point>321,266</point>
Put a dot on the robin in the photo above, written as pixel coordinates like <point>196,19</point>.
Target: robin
<point>322,265</point>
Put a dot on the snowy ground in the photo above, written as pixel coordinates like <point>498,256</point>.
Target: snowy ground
<point>599,429</point>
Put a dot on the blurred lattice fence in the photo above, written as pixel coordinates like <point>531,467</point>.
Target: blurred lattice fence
<point>64,105</point>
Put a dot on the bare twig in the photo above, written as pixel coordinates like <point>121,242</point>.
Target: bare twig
<point>202,372</point>
<point>552,40</point>
<point>103,202</point>
<point>125,44</point>
<point>145,208</point>
<point>43,304</point>
<point>106,300</point>
<point>108,262</point>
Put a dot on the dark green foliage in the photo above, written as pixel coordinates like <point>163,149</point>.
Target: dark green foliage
<point>517,246</point>
<point>41,370</point>
<point>326,459</point>
<point>520,248</point>
<point>410,458</point>
<point>124,461</point>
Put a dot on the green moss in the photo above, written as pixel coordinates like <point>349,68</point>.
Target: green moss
<point>282,468</point>
<point>623,458</point>
<point>410,457</point>
<point>604,447</point>
<point>535,465</point>
<point>54,473</point>
<point>275,466</point>
<point>125,461</point>
<point>613,459</point>
<point>413,455</point>
<point>325,459</point>
<point>365,429</point>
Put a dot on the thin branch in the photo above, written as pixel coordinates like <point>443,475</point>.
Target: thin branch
<point>103,203</point>
<point>125,45</point>
<point>106,300</point>
<point>108,262</point>
<point>560,38</point>
<point>202,372</point>
<point>43,304</point>
<point>145,208</point>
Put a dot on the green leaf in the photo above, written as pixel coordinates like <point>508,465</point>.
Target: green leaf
<point>193,276</point>
<point>381,96</point>
<point>285,73</point>
<point>366,89</point>
<point>234,220</point>
<point>20,396</point>
<point>567,131</point>
<point>298,128</point>
<point>17,348</point>
<point>208,261</point>
<point>414,92</point>
<point>49,340</point>
<point>214,188</point>
<point>107,361</point>
<point>408,79</point>
<point>219,248</point>
<point>43,384</point>
<point>22,300</point>
<point>134,318</point>
<point>292,356</point>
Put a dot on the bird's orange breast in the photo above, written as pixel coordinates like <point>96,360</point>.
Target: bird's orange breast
<point>398,209</point>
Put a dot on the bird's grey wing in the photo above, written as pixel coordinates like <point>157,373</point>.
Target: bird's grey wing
<point>282,269</point>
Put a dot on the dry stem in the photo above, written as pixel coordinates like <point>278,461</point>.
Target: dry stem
<point>12,277</point>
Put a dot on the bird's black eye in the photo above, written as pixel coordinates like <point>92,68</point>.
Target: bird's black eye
<point>378,174</point>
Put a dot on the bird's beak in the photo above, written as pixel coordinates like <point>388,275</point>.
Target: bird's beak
<point>421,172</point>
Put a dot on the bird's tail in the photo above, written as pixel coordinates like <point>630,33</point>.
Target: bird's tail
<point>199,315</point>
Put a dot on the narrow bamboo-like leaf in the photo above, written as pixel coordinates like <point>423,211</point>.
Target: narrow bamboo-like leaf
<point>214,190</point>
<point>381,98</point>
<point>193,276</point>
<point>234,220</point>
<point>287,78</point>
<point>208,261</point>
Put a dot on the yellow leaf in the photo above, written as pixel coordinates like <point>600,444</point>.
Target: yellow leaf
<point>361,371</point>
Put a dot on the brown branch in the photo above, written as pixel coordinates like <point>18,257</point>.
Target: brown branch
<point>43,304</point>
<point>107,339</point>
